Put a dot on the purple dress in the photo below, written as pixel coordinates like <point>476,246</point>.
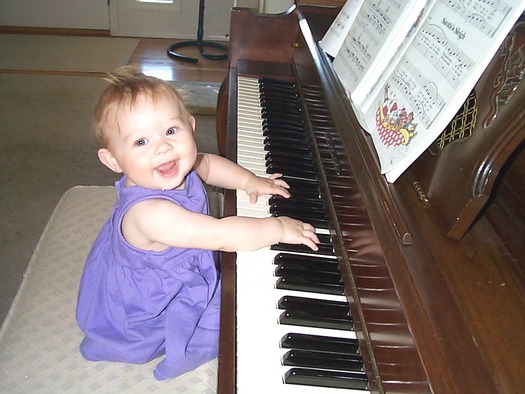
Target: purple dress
<point>135,305</point>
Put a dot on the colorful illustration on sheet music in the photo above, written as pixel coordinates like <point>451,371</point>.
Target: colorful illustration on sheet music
<point>395,125</point>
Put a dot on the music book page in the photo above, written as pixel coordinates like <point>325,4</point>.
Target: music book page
<point>408,100</point>
<point>379,29</point>
<point>334,37</point>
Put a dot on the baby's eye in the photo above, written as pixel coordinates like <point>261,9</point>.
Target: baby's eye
<point>141,142</point>
<point>171,131</point>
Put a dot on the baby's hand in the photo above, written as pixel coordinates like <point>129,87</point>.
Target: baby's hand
<point>258,186</point>
<point>297,232</point>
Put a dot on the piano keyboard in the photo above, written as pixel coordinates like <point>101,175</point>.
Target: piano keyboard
<point>275,287</point>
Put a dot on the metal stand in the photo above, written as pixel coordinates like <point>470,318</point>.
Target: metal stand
<point>200,43</point>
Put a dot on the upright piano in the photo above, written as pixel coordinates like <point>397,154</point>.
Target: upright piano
<point>429,288</point>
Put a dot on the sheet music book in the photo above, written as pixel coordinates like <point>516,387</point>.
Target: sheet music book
<point>408,66</point>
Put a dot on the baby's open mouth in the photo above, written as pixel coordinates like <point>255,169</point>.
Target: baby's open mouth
<point>167,169</point>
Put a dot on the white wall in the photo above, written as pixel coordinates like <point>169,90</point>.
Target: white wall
<point>80,14</point>
<point>95,14</point>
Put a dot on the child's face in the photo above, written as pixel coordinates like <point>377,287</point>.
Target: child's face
<point>152,144</point>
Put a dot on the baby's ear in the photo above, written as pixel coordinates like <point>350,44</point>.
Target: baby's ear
<point>109,160</point>
<point>192,123</point>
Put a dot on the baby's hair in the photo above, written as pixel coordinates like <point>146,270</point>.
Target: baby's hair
<point>125,85</point>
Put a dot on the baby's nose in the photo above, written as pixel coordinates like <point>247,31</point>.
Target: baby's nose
<point>163,147</point>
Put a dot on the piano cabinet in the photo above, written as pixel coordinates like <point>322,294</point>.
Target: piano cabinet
<point>440,306</point>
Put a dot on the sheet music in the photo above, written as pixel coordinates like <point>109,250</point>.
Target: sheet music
<point>379,29</point>
<point>434,77</point>
<point>338,31</point>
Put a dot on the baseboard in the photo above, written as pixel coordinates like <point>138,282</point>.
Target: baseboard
<point>56,31</point>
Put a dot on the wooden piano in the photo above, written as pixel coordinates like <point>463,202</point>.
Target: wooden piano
<point>432,265</point>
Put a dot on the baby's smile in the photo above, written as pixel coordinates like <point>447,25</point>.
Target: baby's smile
<point>167,169</point>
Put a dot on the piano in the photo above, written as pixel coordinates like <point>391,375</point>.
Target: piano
<point>419,286</point>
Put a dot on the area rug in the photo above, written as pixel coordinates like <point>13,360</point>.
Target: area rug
<point>22,52</point>
<point>200,97</point>
<point>39,339</point>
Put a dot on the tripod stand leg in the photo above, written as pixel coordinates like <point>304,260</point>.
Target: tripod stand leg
<point>200,43</point>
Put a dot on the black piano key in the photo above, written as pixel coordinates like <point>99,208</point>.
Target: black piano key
<point>322,360</point>
<point>303,195</point>
<point>296,202</point>
<point>270,90</point>
<point>302,184</point>
<point>312,312</point>
<point>291,164</point>
<point>279,104</point>
<point>285,270</point>
<point>323,249</point>
<point>302,189</point>
<point>276,145</point>
<point>325,264</point>
<point>283,147</point>
<point>285,91</point>
<point>279,95</point>
<point>311,217</point>
<point>273,117</point>
<point>289,138</point>
<point>272,128</point>
<point>320,343</point>
<point>306,319</point>
<point>297,129</point>
<point>292,159</point>
<point>326,378</point>
<point>281,122</point>
<point>268,84</point>
<point>316,219</point>
<point>280,158</point>
<point>301,211</point>
<point>292,171</point>
<point>308,285</point>
<point>316,306</point>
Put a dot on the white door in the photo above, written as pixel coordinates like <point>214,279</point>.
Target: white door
<point>169,18</point>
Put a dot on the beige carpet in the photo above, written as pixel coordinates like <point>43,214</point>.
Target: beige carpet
<point>61,53</point>
<point>39,339</point>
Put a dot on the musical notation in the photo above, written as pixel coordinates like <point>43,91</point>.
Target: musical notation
<point>446,57</point>
<point>485,15</point>
<point>419,93</point>
<point>366,37</point>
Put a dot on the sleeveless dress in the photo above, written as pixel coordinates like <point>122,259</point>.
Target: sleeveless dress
<point>135,305</point>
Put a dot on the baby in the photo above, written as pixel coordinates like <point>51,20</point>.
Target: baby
<point>151,283</point>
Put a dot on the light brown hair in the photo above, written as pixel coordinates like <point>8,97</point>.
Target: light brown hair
<point>125,85</point>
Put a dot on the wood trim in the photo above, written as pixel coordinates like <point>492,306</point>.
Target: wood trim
<point>55,31</point>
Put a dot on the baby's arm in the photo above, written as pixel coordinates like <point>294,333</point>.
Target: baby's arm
<point>221,172</point>
<point>157,224</point>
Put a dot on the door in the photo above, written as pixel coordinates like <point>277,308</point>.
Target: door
<point>169,18</point>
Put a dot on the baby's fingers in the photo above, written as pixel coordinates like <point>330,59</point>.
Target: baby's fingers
<point>310,238</point>
<point>278,181</point>
<point>254,196</point>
